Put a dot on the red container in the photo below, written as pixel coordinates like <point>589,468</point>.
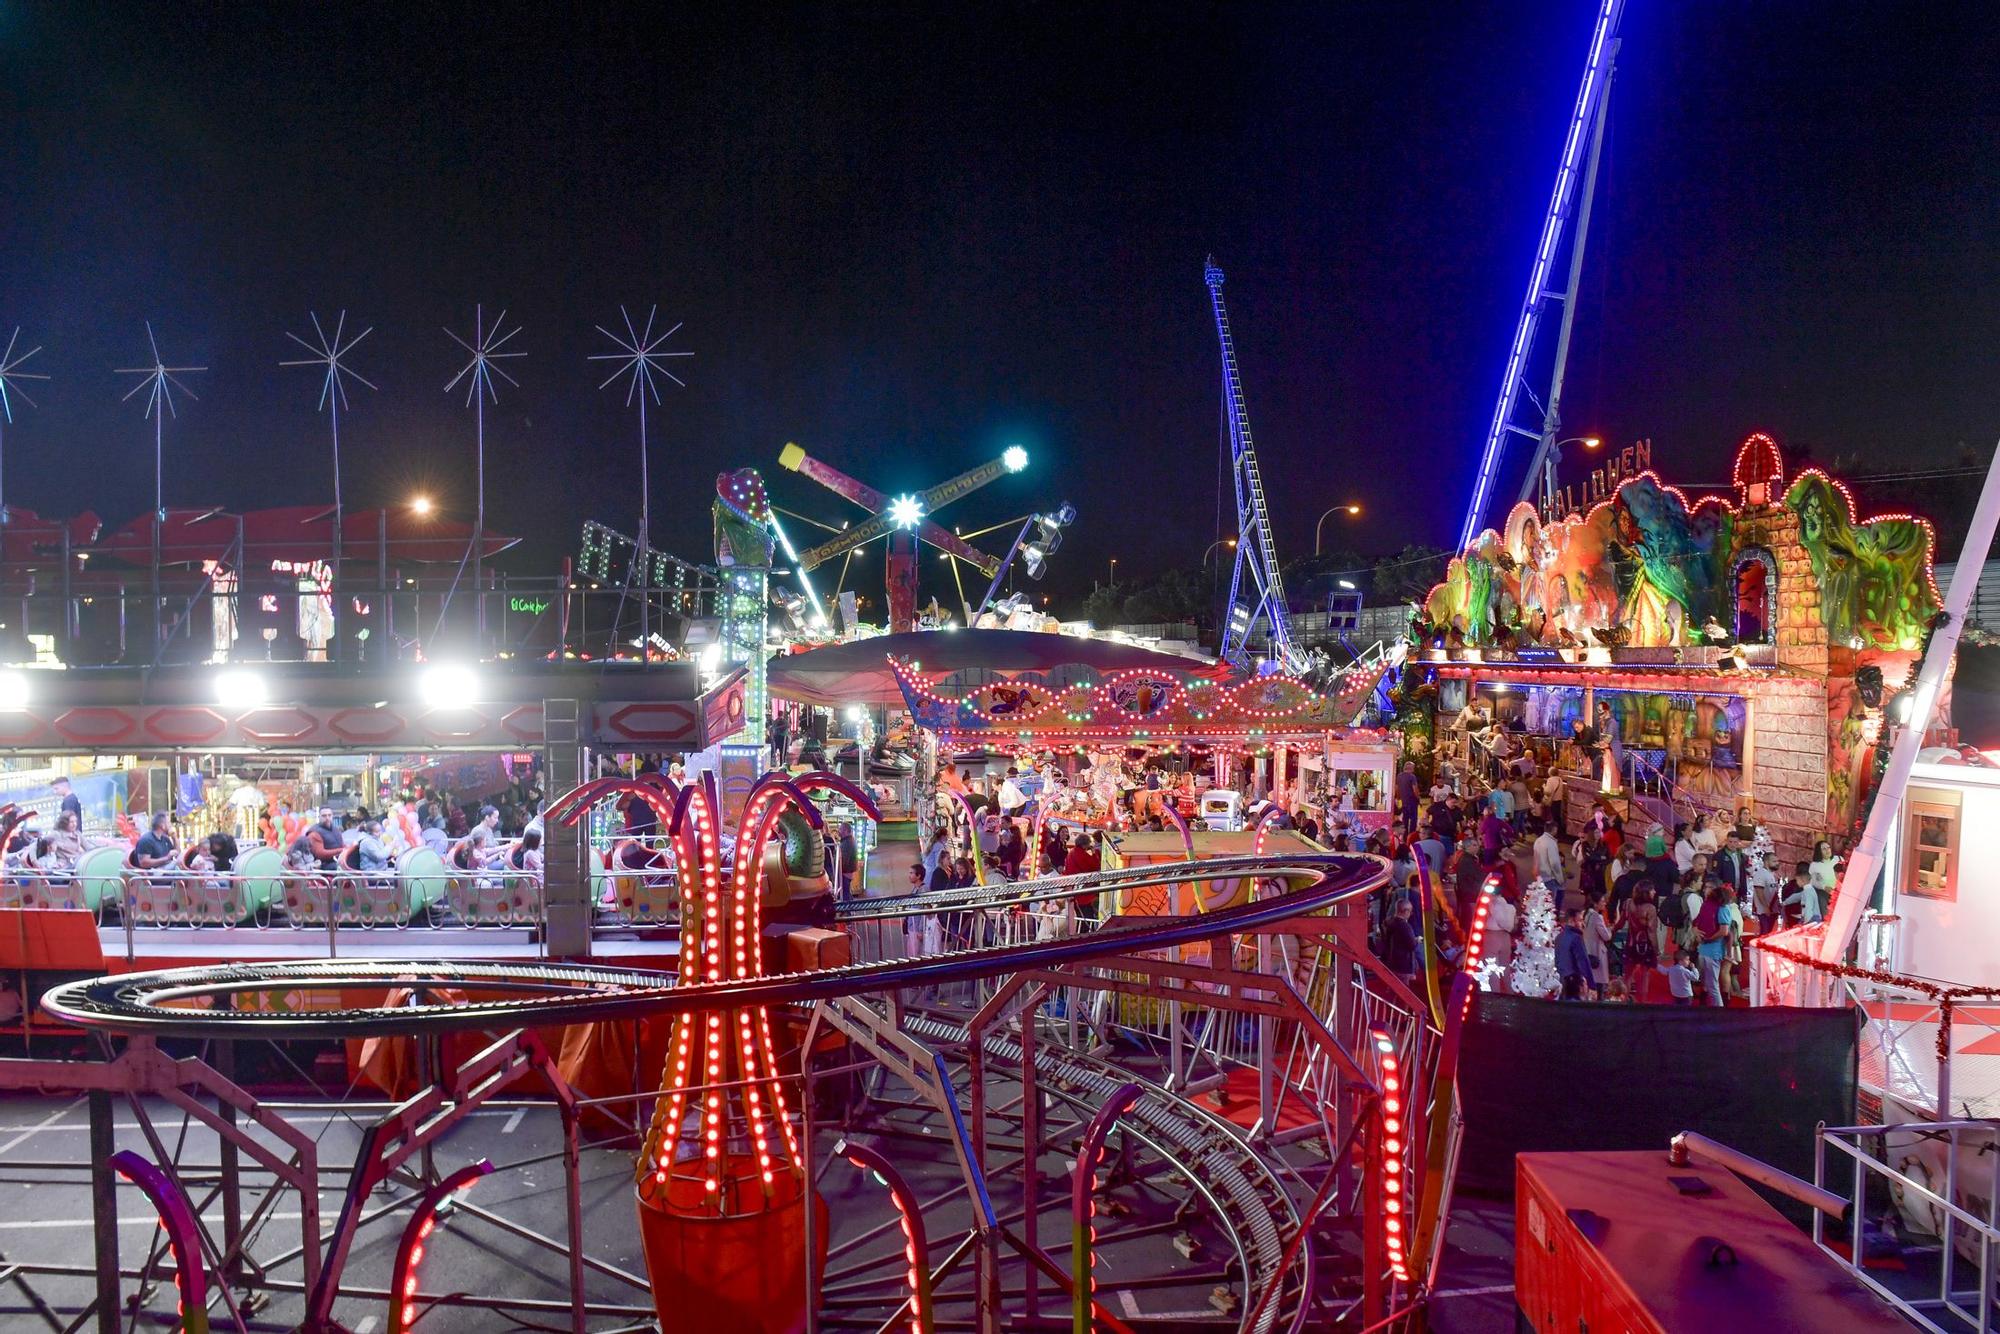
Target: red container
<point>734,1275</point>
<point>1610,1242</point>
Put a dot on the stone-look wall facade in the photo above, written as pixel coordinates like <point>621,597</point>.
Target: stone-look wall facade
<point>1788,779</point>
<point>1801,631</point>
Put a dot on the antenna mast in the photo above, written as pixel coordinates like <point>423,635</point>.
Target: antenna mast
<point>328,354</point>
<point>159,383</point>
<point>639,361</point>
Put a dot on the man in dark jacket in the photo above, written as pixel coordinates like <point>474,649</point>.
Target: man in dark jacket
<point>1401,949</point>
<point>1572,959</point>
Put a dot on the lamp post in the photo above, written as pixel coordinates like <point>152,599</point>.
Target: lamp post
<point>1114,572</point>
<point>1229,542</point>
<point>1349,508</point>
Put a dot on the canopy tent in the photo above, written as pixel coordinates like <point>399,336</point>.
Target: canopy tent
<point>858,672</point>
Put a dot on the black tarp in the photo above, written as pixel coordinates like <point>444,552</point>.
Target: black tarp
<point>1540,1075</point>
<point>1975,695</point>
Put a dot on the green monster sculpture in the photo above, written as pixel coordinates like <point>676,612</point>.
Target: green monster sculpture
<point>1873,577</point>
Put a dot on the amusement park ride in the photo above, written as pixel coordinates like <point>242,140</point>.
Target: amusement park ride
<point>905,520</point>
<point>1153,1094</point>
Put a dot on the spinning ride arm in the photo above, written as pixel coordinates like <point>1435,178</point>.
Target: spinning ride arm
<point>880,524</point>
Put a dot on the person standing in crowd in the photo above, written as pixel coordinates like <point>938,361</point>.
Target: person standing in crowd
<point>1556,792</point>
<point>1825,872</point>
<point>1681,978</point>
<point>1661,869</point>
<point>67,800</point>
<point>1501,919</point>
<point>1549,858</point>
<point>1639,922</point>
<point>1402,951</point>
<point>1712,926</point>
<point>1596,940</point>
<point>1492,828</point>
<point>1591,859</point>
<point>1763,875</point>
<point>1406,798</point>
<point>1728,862</point>
<point>1802,897</point>
<point>1572,960</point>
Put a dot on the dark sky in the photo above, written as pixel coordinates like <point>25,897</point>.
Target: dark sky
<point>908,236</point>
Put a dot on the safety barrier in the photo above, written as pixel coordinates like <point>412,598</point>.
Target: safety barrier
<point>1862,1163</point>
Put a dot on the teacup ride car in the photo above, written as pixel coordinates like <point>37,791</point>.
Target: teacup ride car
<point>641,881</point>
<point>488,892</point>
<point>408,888</point>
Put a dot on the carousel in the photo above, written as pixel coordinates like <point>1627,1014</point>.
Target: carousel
<point>1138,748</point>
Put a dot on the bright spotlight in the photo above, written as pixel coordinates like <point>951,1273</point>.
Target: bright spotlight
<point>240,689</point>
<point>420,504</point>
<point>906,511</point>
<point>449,686</point>
<point>13,692</point>
<point>1347,584</point>
<point>1015,457</point>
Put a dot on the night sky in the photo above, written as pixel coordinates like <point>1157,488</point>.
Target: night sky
<point>908,236</point>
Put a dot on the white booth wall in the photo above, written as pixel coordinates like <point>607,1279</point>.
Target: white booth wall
<point>1953,940</point>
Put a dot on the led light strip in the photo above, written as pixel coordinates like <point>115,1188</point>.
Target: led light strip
<point>416,1233</point>
<point>1083,1203</point>
<point>909,1212</point>
<point>183,1237</point>
<point>1393,1159</point>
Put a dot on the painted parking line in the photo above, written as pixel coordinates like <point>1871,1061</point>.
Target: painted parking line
<point>26,1132</point>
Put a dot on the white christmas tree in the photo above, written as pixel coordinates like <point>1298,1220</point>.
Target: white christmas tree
<point>1534,970</point>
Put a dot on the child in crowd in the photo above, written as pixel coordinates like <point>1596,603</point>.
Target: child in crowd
<point>1682,978</point>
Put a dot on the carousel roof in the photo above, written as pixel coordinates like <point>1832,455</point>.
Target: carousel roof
<point>858,672</point>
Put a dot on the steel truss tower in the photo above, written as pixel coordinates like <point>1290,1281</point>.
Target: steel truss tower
<point>1586,132</point>
<point>1262,596</point>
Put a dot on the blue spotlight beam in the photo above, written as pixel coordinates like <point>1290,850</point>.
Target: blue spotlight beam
<point>1589,105</point>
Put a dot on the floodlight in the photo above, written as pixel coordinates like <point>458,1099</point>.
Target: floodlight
<point>240,689</point>
<point>449,686</point>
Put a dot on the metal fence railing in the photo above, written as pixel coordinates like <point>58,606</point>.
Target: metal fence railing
<point>1938,1175</point>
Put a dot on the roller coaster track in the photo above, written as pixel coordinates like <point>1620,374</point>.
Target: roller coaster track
<point>188,1002</point>
<point>1248,1199</point>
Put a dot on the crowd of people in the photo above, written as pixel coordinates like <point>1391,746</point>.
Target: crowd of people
<point>1651,915</point>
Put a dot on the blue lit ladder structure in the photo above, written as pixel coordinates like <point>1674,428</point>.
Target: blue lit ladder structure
<point>1586,124</point>
<point>1265,599</point>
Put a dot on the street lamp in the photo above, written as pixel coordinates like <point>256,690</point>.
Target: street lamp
<point>1349,509</point>
<point>1114,572</point>
<point>420,504</point>
<point>1229,542</point>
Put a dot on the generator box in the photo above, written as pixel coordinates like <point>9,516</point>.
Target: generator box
<point>1629,1243</point>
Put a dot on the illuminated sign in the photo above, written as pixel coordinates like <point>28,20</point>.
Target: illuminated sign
<point>1602,483</point>
<point>528,606</point>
